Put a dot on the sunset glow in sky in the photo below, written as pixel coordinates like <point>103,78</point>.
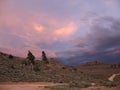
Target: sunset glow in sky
<point>75,31</point>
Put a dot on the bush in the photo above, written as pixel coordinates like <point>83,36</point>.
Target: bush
<point>24,62</point>
<point>10,56</point>
<point>63,67</point>
<point>119,65</point>
<point>36,68</point>
<point>110,84</point>
<point>12,66</point>
<point>82,84</point>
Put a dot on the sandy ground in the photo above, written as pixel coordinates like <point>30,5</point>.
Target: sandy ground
<point>26,86</point>
<point>41,85</point>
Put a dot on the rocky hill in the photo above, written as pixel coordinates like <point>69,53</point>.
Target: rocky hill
<point>16,69</point>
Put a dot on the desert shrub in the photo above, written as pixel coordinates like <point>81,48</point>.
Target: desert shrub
<point>75,69</point>
<point>12,66</point>
<point>24,62</point>
<point>63,67</point>
<point>114,66</point>
<point>3,54</point>
<point>36,68</point>
<point>10,56</point>
<point>117,80</point>
<point>82,84</point>
<point>119,65</point>
<point>110,84</point>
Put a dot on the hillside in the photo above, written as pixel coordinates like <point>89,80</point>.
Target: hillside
<point>15,69</point>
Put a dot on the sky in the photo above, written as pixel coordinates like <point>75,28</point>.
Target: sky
<point>74,31</point>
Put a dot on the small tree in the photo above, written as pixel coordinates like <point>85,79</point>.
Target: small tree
<point>44,58</point>
<point>31,57</point>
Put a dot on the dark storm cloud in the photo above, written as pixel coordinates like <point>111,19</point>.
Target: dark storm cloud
<point>105,34</point>
<point>99,44</point>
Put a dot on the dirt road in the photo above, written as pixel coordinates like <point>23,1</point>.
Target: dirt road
<point>26,86</point>
<point>41,86</point>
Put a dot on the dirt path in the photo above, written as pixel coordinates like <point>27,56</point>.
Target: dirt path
<point>111,78</point>
<point>26,86</point>
<point>100,88</point>
<point>41,85</point>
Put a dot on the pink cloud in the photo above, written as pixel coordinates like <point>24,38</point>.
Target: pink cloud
<point>67,30</point>
<point>31,31</point>
<point>38,27</point>
<point>116,51</point>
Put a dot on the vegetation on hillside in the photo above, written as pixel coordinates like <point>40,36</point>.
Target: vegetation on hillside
<point>17,69</point>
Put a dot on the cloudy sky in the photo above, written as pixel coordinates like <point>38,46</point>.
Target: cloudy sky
<point>75,31</point>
